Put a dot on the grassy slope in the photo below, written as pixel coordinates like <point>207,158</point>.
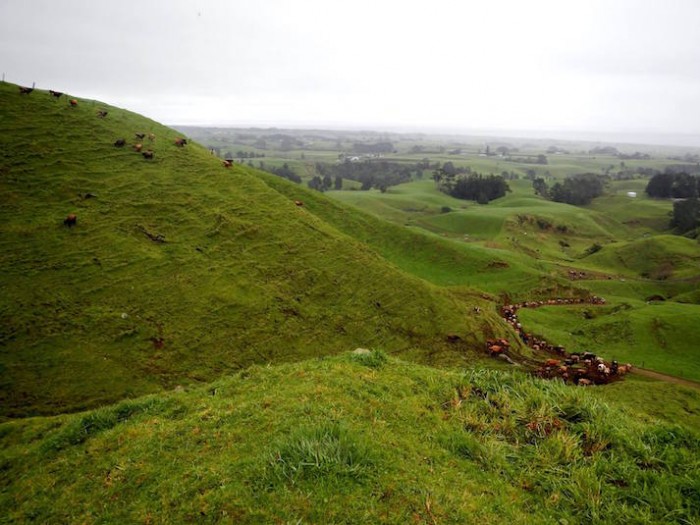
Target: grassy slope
<point>658,257</point>
<point>244,275</point>
<point>354,439</point>
<point>431,257</point>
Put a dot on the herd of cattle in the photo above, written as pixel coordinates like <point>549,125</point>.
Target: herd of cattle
<point>580,368</point>
<point>138,147</point>
<point>72,219</point>
<point>120,143</point>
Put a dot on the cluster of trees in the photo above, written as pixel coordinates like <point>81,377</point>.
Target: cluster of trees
<point>673,185</point>
<point>510,175</point>
<point>688,157</point>
<point>478,188</point>
<point>632,173</point>
<point>603,150</point>
<point>538,159</point>
<point>637,155</point>
<point>692,169</point>
<point>379,174</point>
<point>503,149</point>
<point>685,188</point>
<point>244,155</point>
<point>324,183</point>
<point>610,150</point>
<point>578,189</point>
<point>462,183</point>
<point>285,172</point>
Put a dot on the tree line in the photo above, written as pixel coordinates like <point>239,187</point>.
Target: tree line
<point>673,185</point>
<point>578,190</point>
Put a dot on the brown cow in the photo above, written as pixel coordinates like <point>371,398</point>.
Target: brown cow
<point>73,102</point>
<point>624,369</point>
<point>120,143</point>
<point>101,113</point>
<point>495,350</point>
<point>70,220</point>
<point>228,163</point>
<point>137,147</point>
<point>148,154</point>
<point>299,203</point>
<point>25,90</point>
<point>180,142</point>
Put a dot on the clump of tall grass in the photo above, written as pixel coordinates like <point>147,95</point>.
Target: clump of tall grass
<point>324,453</point>
<point>371,358</point>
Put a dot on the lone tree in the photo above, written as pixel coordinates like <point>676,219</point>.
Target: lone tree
<point>540,187</point>
<point>686,215</point>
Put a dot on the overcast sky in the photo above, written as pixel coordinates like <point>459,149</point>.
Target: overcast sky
<point>613,66</point>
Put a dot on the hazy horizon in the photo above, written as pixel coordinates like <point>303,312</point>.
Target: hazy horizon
<point>632,139</point>
<point>624,69</point>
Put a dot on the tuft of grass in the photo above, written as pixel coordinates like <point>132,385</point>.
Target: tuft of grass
<point>372,358</point>
<point>92,423</point>
<point>329,453</point>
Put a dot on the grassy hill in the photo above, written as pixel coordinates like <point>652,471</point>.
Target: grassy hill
<point>660,257</point>
<point>178,269</point>
<point>354,439</point>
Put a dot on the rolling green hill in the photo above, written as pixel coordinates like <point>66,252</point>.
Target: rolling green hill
<point>178,269</point>
<point>200,319</point>
<point>660,257</point>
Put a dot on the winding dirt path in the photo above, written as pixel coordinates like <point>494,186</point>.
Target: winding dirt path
<point>665,377</point>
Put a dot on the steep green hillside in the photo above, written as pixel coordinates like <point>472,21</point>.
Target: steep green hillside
<point>354,438</point>
<point>178,269</point>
